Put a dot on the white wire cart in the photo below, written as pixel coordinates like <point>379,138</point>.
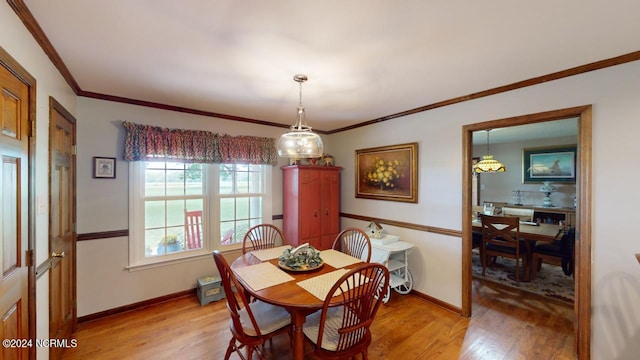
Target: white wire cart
<point>393,253</point>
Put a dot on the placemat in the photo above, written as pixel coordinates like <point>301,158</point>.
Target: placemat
<point>268,254</point>
<point>262,276</point>
<point>337,259</point>
<point>319,286</point>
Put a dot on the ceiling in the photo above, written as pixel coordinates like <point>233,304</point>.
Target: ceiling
<point>365,59</point>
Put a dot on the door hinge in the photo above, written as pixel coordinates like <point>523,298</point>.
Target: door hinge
<point>32,128</point>
<point>29,254</point>
<point>74,150</point>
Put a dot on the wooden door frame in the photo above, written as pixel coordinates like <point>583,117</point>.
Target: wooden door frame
<point>23,75</point>
<point>582,302</point>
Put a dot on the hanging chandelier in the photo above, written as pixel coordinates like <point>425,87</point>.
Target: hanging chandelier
<point>300,141</point>
<point>488,164</point>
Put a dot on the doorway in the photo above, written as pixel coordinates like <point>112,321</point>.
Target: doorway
<point>582,303</point>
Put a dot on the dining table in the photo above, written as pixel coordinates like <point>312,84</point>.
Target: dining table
<point>299,292</point>
<point>531,233</point>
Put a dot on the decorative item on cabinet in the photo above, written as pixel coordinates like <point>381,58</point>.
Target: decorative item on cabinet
<point>327,160</point>
<point>311,205</point>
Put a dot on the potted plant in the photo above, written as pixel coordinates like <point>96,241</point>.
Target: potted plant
<point>169,243</point>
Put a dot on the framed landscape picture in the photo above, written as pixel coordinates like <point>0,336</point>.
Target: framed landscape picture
<point>555,164</point>
<point>388,173</point>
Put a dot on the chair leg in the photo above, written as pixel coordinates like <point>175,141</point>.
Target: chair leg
<point>230,348</point>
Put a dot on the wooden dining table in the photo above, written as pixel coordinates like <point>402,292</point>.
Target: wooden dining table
<point>291,296</point>
<point>531,234</point>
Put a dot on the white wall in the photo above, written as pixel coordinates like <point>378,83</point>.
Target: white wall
<point>436,262</point>
<point>103,206</point>
<point>18,42</point>
<point>499,187</point>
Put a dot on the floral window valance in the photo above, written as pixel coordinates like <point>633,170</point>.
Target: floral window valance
<point>148,143</point>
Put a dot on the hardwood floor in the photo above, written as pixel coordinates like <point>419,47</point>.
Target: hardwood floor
<point>506,324</point>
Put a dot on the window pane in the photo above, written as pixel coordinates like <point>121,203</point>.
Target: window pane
<point>154,214</point>
<point>242,208</point>
<point>154,183</point>
<point>175,212</point>
<point>194,204</point>
<point>175,165</point>
<point>227,233</point>
<point>256,207</point>
<point>194,179</point>
<point>226,179</point>
<point>175,182</point>
<point>227,209</point>
<point>242,226</point>
<point>151,240</point>
<point>255,182</point>
<point>242,182</point>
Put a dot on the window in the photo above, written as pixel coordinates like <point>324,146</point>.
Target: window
<point>175,207</point>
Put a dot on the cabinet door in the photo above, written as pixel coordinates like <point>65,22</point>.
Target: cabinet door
<point>330,207</point>
<point>310,219</point>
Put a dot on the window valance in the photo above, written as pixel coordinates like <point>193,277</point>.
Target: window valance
<point>148,143</point>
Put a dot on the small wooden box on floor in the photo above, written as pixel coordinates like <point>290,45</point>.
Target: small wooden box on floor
<point>209,289</point>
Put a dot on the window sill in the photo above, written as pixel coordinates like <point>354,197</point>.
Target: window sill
<point>202,254</point>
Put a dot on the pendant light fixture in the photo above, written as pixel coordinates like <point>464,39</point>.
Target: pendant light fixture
<point>300,141</point>
<point>488,164</point>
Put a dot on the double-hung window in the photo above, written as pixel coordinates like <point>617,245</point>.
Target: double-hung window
<point>185,210</point>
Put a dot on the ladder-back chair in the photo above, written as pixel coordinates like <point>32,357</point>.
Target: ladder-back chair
<point>501,237</point>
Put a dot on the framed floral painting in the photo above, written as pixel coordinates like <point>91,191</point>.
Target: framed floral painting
<point>388,173</point>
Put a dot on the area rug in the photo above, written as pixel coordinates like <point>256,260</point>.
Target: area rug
<point>550,281</point>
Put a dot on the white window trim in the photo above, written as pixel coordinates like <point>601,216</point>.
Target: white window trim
<point>211,209</point>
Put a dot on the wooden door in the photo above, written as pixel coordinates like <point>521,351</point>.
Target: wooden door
<point>14,213</point>
<point>62,295</point>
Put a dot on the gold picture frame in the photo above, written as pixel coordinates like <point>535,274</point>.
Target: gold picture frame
<point>388,173</point>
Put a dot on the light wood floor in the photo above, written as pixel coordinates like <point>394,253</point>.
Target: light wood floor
<point>506,324</point>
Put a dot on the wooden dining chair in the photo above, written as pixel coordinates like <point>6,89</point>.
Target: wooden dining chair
<point>252,323</point>
<point>561,252</point>
<point>354,242</point>
<point>262,236</point>
<point>501,237</point>
<point>343,331</point>
<point>193,229</point>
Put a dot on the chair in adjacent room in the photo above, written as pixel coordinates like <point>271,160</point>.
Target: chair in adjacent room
<point>501,237</point>
<point>561,252</point>
<point>343,331</point>
<point>262,236</point>
<point>354,242</point>
<point>193,229</point>
<point>523,214</point>
<point>252,323</point>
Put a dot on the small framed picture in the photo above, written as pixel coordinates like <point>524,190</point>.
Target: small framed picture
<point>104,167</point>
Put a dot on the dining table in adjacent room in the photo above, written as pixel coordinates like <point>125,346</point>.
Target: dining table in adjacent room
<point>531,233</point>
<point>300,292</point>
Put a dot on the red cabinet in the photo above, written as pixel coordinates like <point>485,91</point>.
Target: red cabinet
<point>311,205</point>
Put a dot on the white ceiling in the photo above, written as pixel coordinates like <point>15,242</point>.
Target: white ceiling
<point>365,59</point>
